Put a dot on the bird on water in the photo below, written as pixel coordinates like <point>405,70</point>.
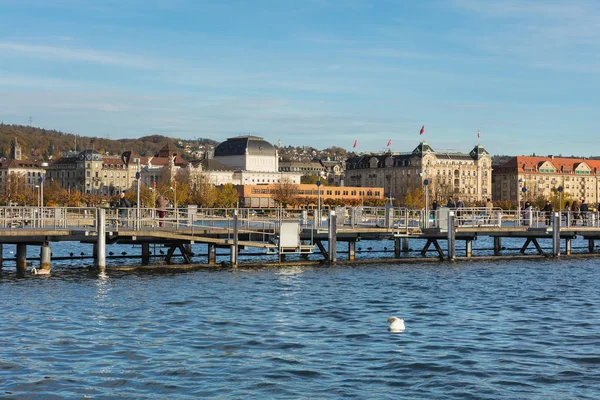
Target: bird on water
<point>35,271</point>
<point>396,324</point>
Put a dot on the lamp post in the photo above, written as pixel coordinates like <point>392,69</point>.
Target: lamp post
<point>519,182</point>
<point>319,202</point>
<point>426,184</point>
<point>37,195</point>
<point>138,175</point>
<point>44,165</point>
<point>174,189</point>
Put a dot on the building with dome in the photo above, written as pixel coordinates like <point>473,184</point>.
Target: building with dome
<point>448,174</point>
<point>243,160</point>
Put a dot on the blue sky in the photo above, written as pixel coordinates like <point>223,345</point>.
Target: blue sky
<point>309,72</point>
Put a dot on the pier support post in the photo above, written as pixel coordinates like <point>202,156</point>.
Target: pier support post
<point>1,260</point>
<point>590,245</point>
<point>556,234</point>
<point>451,236</point>
<point>21,258</point>
<point>568,246</point>
<point>45,256</point>
<point>351,250</point>
<point>212,254</point>
<point>233,257</point>
<point>397,247</point>
<point>497,245</point>
<point>469,248</point>
<point>332,236</point>
<point>405,245</point>
<point>101,242</point>
<point>145,253</point>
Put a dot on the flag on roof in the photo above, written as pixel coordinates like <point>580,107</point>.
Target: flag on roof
<point>389,143</point>
<point>422,130</point>
<point>355,143</point>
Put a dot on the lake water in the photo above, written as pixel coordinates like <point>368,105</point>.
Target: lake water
<point>487,330</point>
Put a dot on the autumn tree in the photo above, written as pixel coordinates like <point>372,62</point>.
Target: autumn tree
<point>203,192</point>
<point>414,198</point>
<point>286,194</point>
<point>227,196</point>
<point>15,190</point>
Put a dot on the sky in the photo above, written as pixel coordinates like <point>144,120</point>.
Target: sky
<point>314,73</point>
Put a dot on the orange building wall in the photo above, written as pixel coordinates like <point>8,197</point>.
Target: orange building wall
<point>257,196</point>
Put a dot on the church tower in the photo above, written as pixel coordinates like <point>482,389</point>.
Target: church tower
<point>15,150</point>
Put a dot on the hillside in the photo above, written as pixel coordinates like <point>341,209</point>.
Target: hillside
<point>39,143</point>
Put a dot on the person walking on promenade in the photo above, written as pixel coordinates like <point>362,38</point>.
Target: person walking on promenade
<point>548,212</point>
<point>123,205</point>
<point>527,214</point>
<point>161,204</point>
<point>489,207</point>
<point>583,210</point>
<point>459,204</point>
<point>451,203</point>
<point>567,212</point>
<point>575,211</point>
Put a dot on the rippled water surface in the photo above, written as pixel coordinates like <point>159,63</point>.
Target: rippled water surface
<point>473,330</point>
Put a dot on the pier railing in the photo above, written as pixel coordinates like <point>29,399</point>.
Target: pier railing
<point>266,222</point>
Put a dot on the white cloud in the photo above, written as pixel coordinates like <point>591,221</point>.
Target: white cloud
<point>78,54</point>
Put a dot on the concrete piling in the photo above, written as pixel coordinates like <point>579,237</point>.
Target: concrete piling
<point>101,242</point>
<point>351,250</point>
<point>45,256</point>
<point>556,234</point>
<point>145,253</point>
<point>234,247</point>
<point>451,236</point>
<point>212,254</point>
<point>21,258</point>
<point>332,236</point>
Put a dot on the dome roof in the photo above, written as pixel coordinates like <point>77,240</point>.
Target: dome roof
<point>241,145</point>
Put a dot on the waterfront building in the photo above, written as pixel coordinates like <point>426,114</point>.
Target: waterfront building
<point>257,196</point>
<point>448,174</point>
<point>242,160</point>
<point>31,172</point>
<point>542,176</point>
<point>331,170</point>
<point>91,172</point>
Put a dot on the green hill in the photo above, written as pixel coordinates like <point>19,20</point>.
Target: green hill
<point>39,143</point>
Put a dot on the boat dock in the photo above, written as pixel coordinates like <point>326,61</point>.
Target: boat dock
<point>282,236</point>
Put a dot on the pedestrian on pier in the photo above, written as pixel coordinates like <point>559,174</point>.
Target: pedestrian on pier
<point>575,211</point>
<point>548,212</point>
<point>124,204</point>
<point>583,209</point>
<point>459,204</point>
<point>489,207</point>
<point>567,212</point>
<point>451,203</point>
<point>161,204</point>
<point>527,214</point>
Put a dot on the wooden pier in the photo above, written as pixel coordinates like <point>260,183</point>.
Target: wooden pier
<point>283,234</point>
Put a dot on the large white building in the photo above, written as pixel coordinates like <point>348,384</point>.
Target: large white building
<point>244,160</point>
<point>465,175</point>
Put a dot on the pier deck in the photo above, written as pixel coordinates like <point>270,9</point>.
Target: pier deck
<point>239,229</point>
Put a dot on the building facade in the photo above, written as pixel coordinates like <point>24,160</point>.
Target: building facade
<point>31,172</point>
<point>542,176</point>
<point>243,160</point>
<point>258,196</point>
<point>447,174</point>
